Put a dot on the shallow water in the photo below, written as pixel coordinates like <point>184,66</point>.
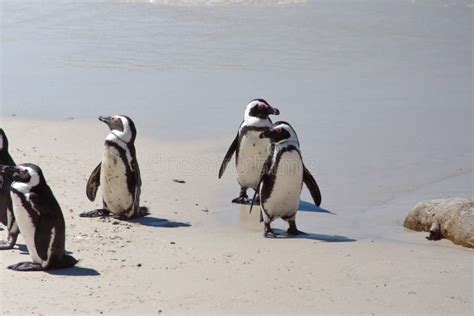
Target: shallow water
<point>380,92</point>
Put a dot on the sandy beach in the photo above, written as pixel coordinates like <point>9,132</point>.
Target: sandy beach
<point>182,259</point>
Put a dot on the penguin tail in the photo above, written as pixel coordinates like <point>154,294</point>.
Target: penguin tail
<point>143,211</point>
<point>67,262</point>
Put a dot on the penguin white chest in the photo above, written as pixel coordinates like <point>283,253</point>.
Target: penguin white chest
<point>113,179</point>
<point>253,153</point>
<point>285,196</point>
<point>26,225</point>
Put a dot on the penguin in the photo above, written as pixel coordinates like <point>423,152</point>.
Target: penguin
<point>39,218</point>
<point>250,150</point>
<point>6,209</point>
<point>282,178</point>
<point>118,173</point>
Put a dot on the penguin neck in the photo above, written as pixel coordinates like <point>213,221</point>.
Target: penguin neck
<point>256,121</point>
<point>24,188</point>
<point>116,137</point>
<point>285,144</point>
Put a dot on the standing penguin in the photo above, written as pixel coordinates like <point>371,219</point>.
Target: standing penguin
<point>251,151</point>
<point>6,209</point>
<point>118,174</point>
<point>282,179</point>
<point>39,218</point>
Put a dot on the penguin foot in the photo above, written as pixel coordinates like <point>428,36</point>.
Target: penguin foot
<point>293,231</point>
<point>96,213</point>
<point>268,232</point>
<point>243,197</point>
<point>7,244</point>
<point>26,266</point>
<point>241,200</point>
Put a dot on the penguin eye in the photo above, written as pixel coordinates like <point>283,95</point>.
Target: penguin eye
<point>278,130</point>
<point>22,173</point>
<point>262,106</point>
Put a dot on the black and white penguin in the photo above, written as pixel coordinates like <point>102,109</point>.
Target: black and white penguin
<point>251,151</point>
<point>39,218</point>
<point>282,178</point>
<point>118,174</point>
<point>6,209</point>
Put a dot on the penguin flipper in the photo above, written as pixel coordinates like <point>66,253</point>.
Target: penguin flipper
<point>13,231</point>
<point>93,183</point>
<point>312,186</point>
<point>254,196</point>
<point>228,156</point>
<point>265,170</point>
<point>5,199</point>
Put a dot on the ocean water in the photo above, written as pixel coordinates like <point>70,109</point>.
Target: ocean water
<point>379,91</point>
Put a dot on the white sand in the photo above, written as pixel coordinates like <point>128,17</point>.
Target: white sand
<point>220,264</point>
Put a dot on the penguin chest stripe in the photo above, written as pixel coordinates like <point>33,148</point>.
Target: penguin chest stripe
<point>50,247</point>
<point>31,204</point>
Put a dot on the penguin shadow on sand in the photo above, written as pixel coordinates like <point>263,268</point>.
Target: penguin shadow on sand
<point>158,222</point>
<point>312,236</point>
<point>310,207</point>
<point>74,271</point>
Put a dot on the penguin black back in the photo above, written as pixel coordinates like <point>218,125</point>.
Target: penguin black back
<point>39,218</point>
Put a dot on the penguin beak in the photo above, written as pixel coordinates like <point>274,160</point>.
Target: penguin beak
<point>106,119</point>
<point>275,111</point>
<point>266,134</point>
<point>112,122</point>
<point>7,170</point>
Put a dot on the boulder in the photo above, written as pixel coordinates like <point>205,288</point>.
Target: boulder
<point>452,219</point>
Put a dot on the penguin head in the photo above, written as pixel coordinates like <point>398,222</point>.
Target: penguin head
<point>121,127</point>
<point>260,109</point>
<point>281,132</point>
<point>3,141</point>
<point>26,175</point>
